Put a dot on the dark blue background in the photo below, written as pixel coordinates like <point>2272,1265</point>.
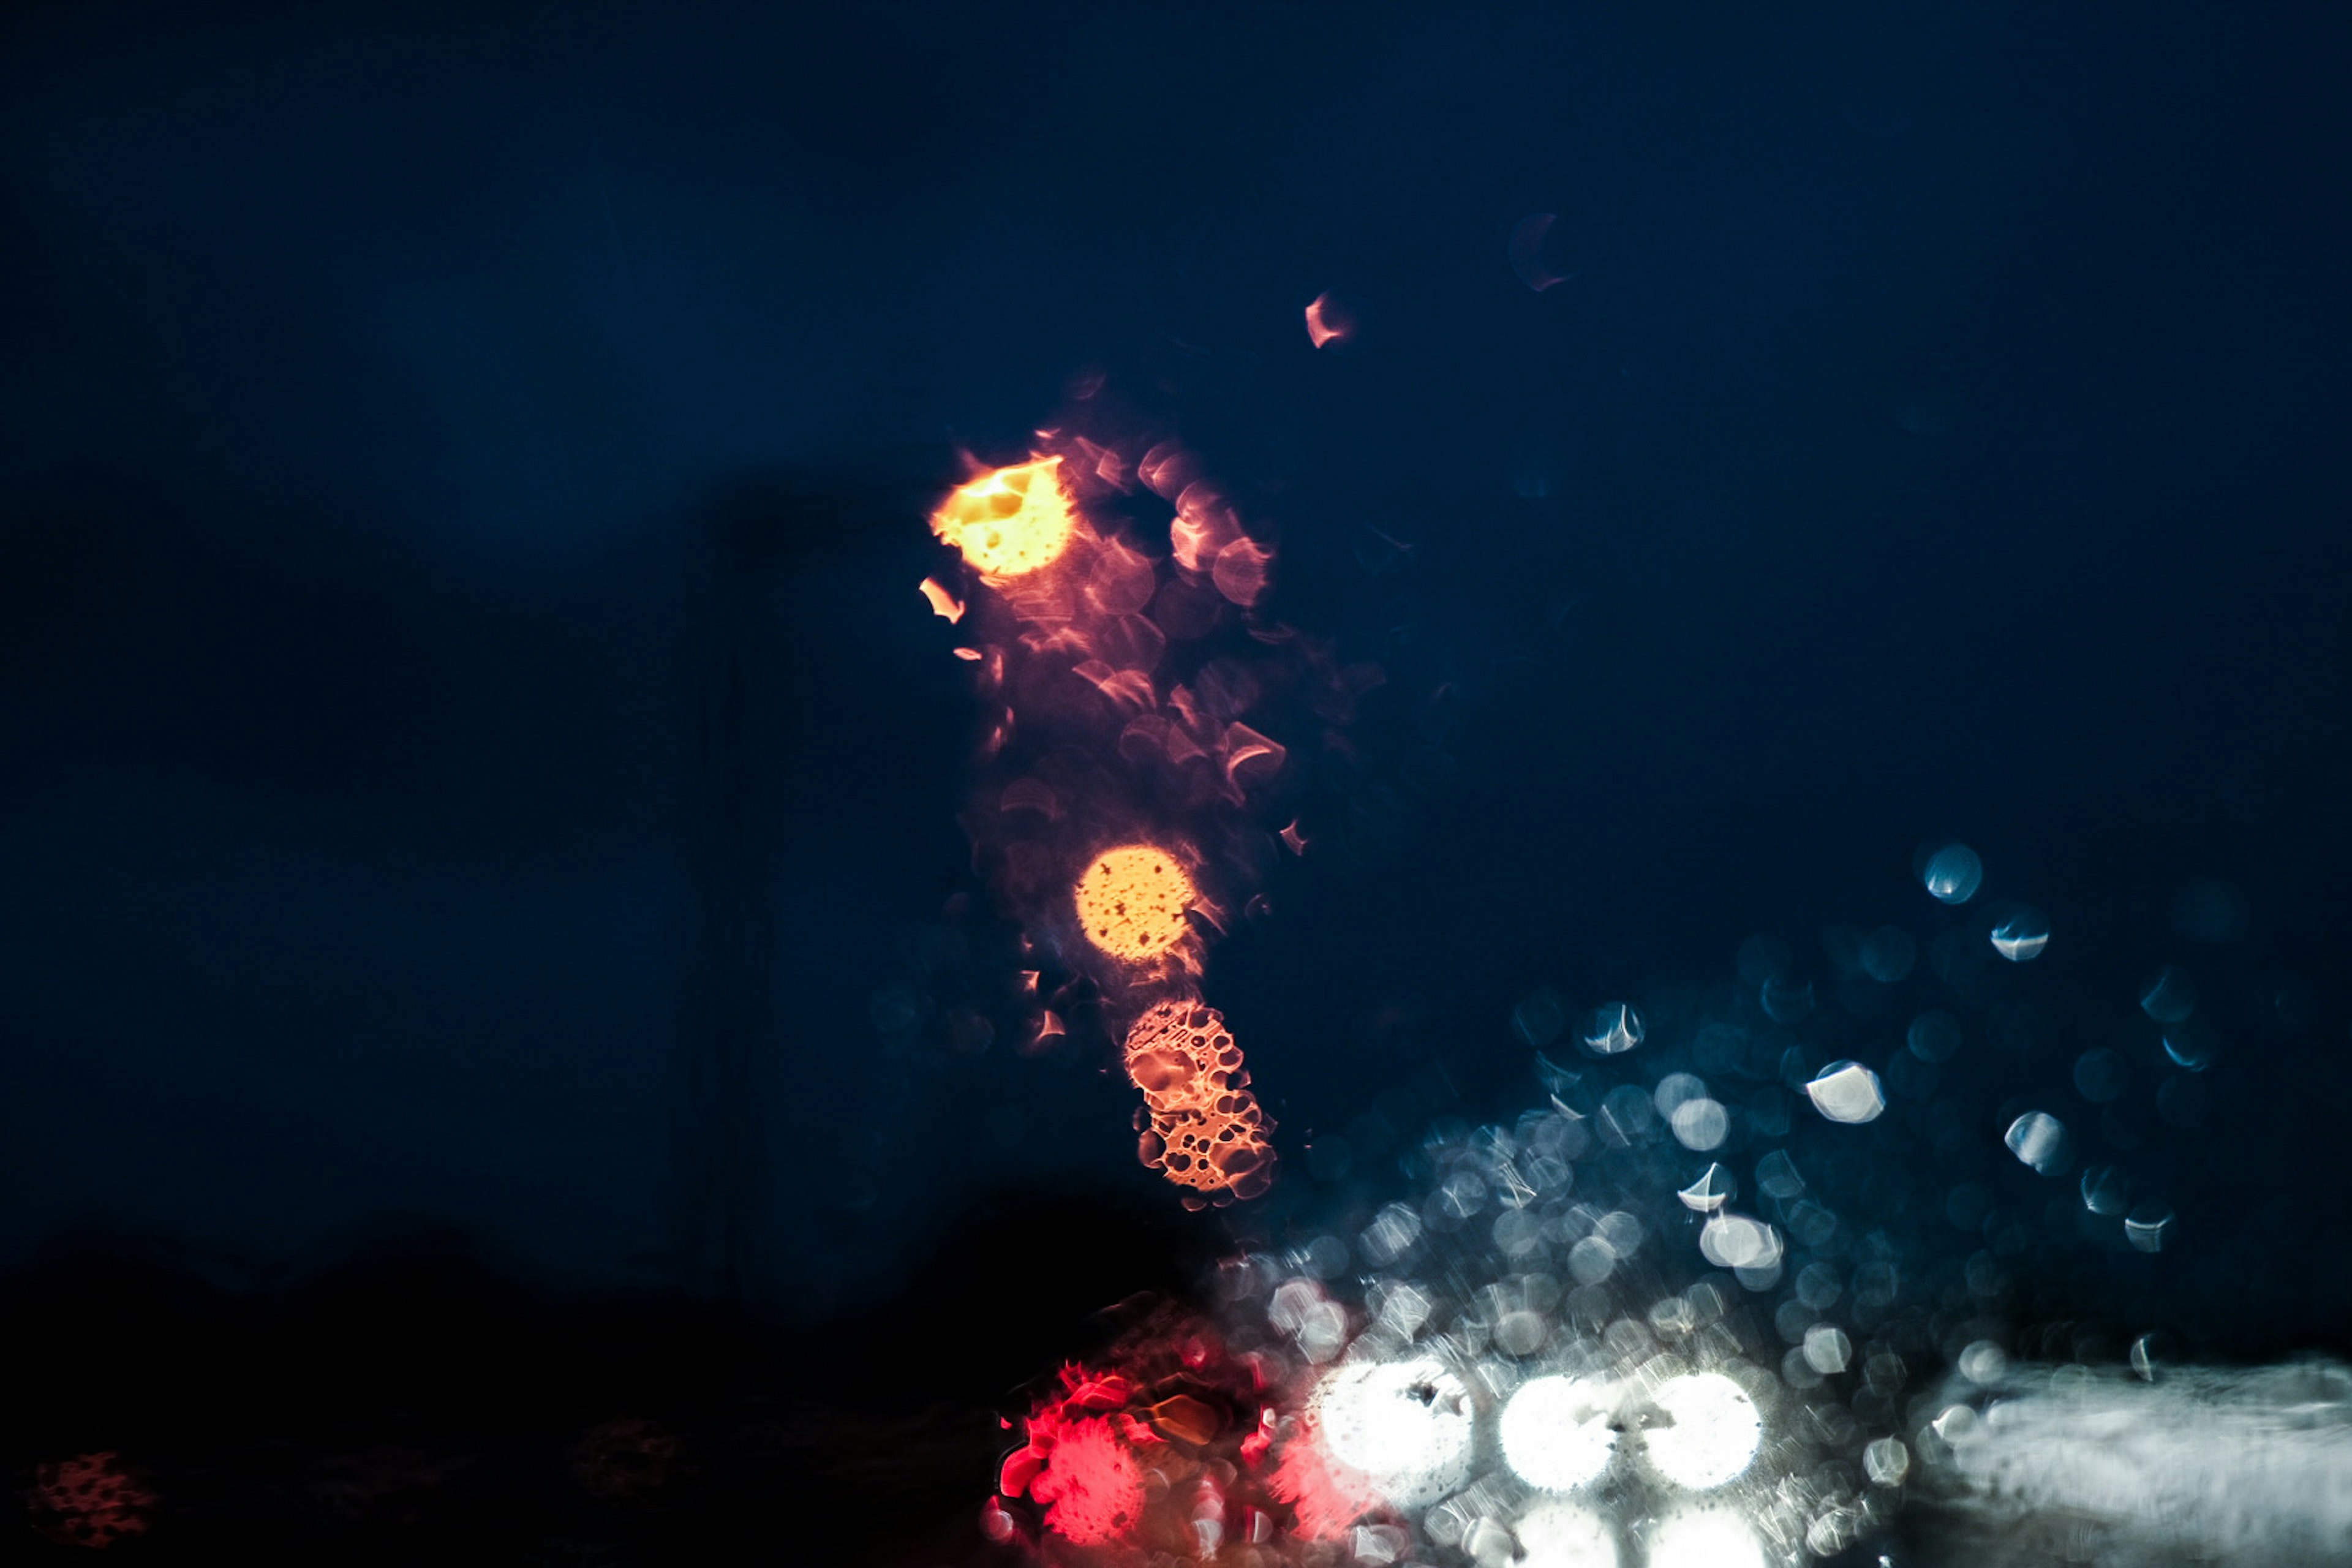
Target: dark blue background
<point>1941,435</point>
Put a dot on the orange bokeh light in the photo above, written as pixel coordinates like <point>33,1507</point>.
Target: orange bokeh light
<point>1207,1131</point>
<point>1008,522</point>
<point>1131,902</point>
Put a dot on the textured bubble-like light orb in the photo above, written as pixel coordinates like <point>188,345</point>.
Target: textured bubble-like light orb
<point>1131,901</point>
<point>1556,1534</point>
<point>1008,522</point>
<point>1710,1434</point>
<point>1407,1427</point>
<point>1706,1539</point>
<point>1556,1432</point>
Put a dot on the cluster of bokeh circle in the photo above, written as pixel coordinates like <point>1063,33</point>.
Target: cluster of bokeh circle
<point>1698,1305</point>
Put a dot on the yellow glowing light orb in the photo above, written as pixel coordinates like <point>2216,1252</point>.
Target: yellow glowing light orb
<point>1131,901</point>
<point>1009,521</point>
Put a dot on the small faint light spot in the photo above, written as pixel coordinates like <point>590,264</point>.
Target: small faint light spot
<point>2171,997</point>
<point>1538,1019</point>
<point>2040,1139</point>
<point>2107,1189</point>
<point>1708,1540</point>
<point>1953,874</point>
<point>2190,1045</point>
<point>2022,937</point>
<point>1827,1349</point>
<point>1710,1434</point>
<point>1527,250</point>
<point>2182,1102</point>
<point>1405,1425</point>
<point>1886,1461</point>
<point>1612,1029</point>
<point>1556,1432</point>
<point>2208,911</point>
<point>1934,1037</point>
<point>1984,1363</point>
<point>2101,1075</point>
<point>1888,953</point>
<point>1847,1092</point>
<point>2146,1229</point>
<point>1556,1534</point>
<point>1715,1187</point>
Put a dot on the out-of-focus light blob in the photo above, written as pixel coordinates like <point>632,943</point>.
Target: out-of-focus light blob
<point>1008,522</point>
<point>1736,1241</point>
<point>1131,902</point>
<point>2106,1189</point>
<point>1528,238</point>
<point>2170,998</point>
<point>2022,937</point>
<point>2040,1139</point>
<point>1713,1188</point>
<point>1326,320</point>
<point>1557,1534</point>
<point>1847,1092</point>
<point>1953,874</point>
<point>1612,1029</point>
<point>1407,1427</point>
<point>1708,1539</point>
<point>1556,1432</point>
<point>2146,1227</point>
<point>1699,1125</point>
<point>944,604</point>
<point>1091,1487</point>
<point>1710,1433</point>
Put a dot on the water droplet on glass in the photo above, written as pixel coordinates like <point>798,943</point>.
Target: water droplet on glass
<point>1953,874</point>
<point>2147,1227</point>
<point>2171,997</point>
<point>1847,1092</point>
<point>2040,1139</point>
<point>1715,1187</point>
<point>1612,1029</point>
<point>2022,936</point>
<point>2107,1189</point>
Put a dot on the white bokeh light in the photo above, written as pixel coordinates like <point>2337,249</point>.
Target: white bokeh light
<point>1706,1539</point>
<point>1710,1432</point>
<point>1556,1432</point>
<point>1556,1534</point>
<point>1406,1426</point>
